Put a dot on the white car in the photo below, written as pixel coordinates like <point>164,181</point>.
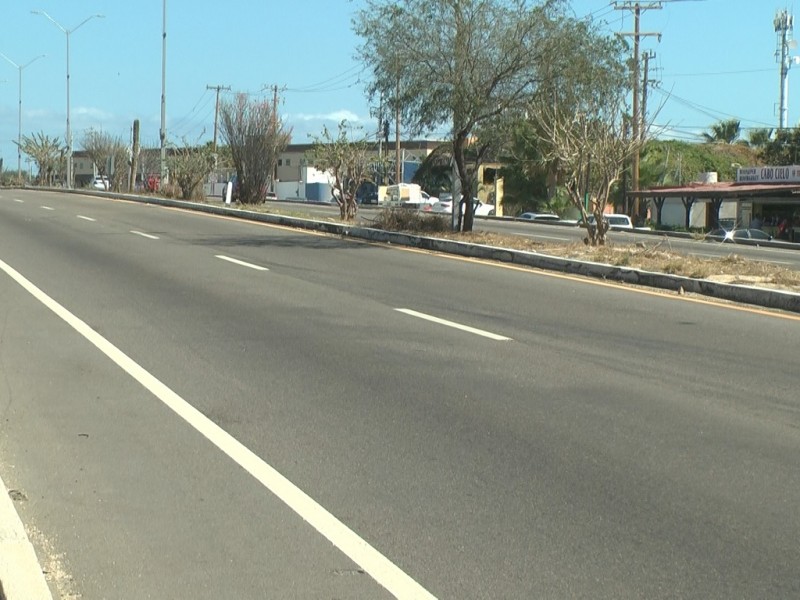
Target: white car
<point>531,216</point>
<point>101,183</point>
<point>481,209</point>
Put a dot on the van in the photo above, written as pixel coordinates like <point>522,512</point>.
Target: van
<point>409,195</point>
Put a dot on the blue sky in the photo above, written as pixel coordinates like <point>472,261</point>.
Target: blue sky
<point>715,60</point>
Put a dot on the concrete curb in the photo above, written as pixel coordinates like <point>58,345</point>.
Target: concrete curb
<point>21,577</point>
<point>768,298</point>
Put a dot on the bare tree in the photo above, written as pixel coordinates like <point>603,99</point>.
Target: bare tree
<point>109,154</point>
<point>188,168</point>
<point>347,161</point>
<point>255,134</point>
<point>47,153</point>
<point>589,150</point>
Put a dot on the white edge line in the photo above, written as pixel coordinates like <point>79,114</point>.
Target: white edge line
<point>87,218</point>
<point>20,573</point>
<point>145,235</point>
<point>481,332</point>
<point>241,263</point>
<point>380,568</point>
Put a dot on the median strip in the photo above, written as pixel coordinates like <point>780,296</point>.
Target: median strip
<point>454,325</point>
<point>241,263</point>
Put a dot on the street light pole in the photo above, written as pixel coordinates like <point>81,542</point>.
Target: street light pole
<point>163,131</point>
<point>67,32</point>
<point>20,68</point>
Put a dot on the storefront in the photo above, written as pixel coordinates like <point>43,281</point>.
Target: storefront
<point>766,198</point>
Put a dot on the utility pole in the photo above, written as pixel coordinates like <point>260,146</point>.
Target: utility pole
<point>218,89</point>
<point>646,56</point>
<point>397,170</point>
<point>380,139</point>
<point>784,23</point>
<point>162,134</point>
<point>134,156</point>
<point>636,123</point>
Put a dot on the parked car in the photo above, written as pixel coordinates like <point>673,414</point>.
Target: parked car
<point>445,205</point>
<point>482,209</point>
<point>734,235</point>
<point>615,221</point>
<point>101,183</point>
<point>532,216</point>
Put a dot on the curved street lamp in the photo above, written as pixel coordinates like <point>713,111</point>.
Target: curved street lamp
<point>67,32</point>
<point>20,68</point>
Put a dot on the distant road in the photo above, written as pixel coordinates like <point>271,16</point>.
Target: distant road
<point>446,427</point>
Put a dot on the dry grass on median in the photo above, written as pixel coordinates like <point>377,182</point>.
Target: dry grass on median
<point>657,256</point>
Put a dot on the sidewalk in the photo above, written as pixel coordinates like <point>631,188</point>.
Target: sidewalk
<point>21,577</point>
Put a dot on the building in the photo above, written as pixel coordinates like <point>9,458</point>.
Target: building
<point>766,197</point>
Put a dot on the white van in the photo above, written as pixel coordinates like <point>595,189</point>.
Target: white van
<point>408,194</point>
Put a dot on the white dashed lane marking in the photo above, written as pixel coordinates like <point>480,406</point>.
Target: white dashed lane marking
<point>454,325</point>
<point>87,218</point>
<point>241,263</point>
<point>145,235</point>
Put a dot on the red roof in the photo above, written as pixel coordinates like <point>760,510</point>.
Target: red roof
<point>726,189</point>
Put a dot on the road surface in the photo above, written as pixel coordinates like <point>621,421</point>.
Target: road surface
<point>199,407</point>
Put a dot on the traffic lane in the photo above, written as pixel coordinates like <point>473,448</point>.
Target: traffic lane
<point>480,370</point>
<point>544,232</point>
<point>129,502</point>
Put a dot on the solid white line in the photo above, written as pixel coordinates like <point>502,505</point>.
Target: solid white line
<point>241,263</point>
<point>20,573</point>
<point>481,332</point>
<point>47,207</point>
<point>357,549</point>
<point>87,218</point>
<point>145,235</point>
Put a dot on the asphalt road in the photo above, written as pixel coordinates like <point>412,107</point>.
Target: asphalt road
<point>554,438</point>
<point>788,257</point>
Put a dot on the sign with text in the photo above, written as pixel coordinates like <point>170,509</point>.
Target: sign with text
<point>790,174</point>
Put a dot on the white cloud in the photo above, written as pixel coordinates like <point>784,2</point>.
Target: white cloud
<point>91,113</point>
<point>337,116</point>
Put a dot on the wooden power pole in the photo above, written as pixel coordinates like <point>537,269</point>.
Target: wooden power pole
<point>636,119</point>
<point>218,89</point>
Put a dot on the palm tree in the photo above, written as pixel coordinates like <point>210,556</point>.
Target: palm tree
<point>724,132</point>
<point>758,138</point>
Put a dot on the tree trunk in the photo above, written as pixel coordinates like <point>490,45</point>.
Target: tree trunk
<point>459,144</point>
<point>659,202</point>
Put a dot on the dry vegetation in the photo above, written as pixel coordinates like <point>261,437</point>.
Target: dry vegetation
<point>657,256</point>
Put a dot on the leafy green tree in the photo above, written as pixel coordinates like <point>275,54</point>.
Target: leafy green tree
<point>593,72</point>
<point>347,161</point>
<point>724,132</point>
<point>758,138</point>
<point>460,62</point>
<point>783,149</point>
<point>47,153</point>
